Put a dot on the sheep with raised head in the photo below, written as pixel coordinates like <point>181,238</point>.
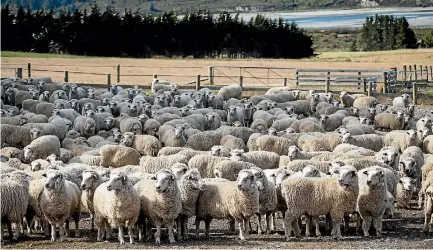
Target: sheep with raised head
<point>116,204</point>
<point>237,200</point>
<point>160,201</point>
<point>405,189</point>
<point>389,121</point>
<point>401,101</point>
<point>60,199</point>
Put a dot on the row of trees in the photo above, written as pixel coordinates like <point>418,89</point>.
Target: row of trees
<point>384,32</point>
<point>129,34</point>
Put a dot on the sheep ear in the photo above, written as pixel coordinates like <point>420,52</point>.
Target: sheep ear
<point>353,173</point>
<point>153,178</point>
<point>399,181</point>
<point>365,172</point>
<point>236,176</point>
<point>44,175</point>
<point>328,173</point>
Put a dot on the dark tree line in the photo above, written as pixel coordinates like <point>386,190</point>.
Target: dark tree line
<point>384,32</point>
<point>128,34</point>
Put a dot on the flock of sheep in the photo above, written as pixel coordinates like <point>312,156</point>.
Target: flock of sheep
<point>139,161</point>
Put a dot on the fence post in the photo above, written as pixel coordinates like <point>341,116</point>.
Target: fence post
<point>297,77</point>
<point>416,73</point>
<point>155,76</point>
<point>405,72</point>
<point>421,74</point>
<point>359,79</point>
<point>284,82</point>
<point>66,76</point>
<point>415,90</point>
<point>197,84</point>
<point>19,73</point>
<point>385,76</point>
<point>410,72</point>
<point>370,87</point>
<point>365,85</point>
<point>426,73</point>
<point>327,85</point>
<point>431,72</point>
<point>241,81</point>
<point>211,75</point>
<point>109,80</point>
<point>29,70</point>
<point>118,73</point>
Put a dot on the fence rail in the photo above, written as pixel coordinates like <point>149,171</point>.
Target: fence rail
<point>251,78</point>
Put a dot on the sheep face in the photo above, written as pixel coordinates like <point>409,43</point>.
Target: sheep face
<point>89,127</point>
<point>164,180</point>
<point>128,139</point>
<point>52,158</point>
<point>259,177</point>
<point>90,113</point>
<point>35,166</point>
<point>237,124</point>
<point>408,166</point>
<point>411,134</point>
<point>179,169</point>
<point>334,168</point>
<point>365,120</point>
<point>387,156</point>
<point>245,180</point>
<point>194,178</point>
<point>59,105</point>
<point>311,92</point>
<point>90,94</point>
<point>345,138</point>
<point>329,97</point>
<point>296,93</point>
<point>216,150</point>
<point>35,95</point>
<point>292,152</point>
<point>280,176</point>
<point>290,131</point>
<point>116,181</point>
<point>426,121</point>
<point>355,111</point>
<point>176,99</point>
<point>382,107</point>
<point>290,110</point>
<point>89,179</point>
<point>62,95</point>
<point>272,131</point>
<point>87,106</point>
<point>109,122</point>
<point>259,129</point>
<point>11,112</point>
<point>54,180</point>
<point>143,118</point>
<point>184,112</point>
<point>347,177</point>
<point>132,108</point>
<point>35,133</point>
<point>323,119</point>
<point>4,113</point>
<point>375,177</point>
<point>209,118</point>
<point>310,171</point>
<point>424,133</point>
<point>117,136</point>
<point>178,133</point>
<point>100,109</point>
<point>74,104</point>
<point>372,112</point>
<point>236,154</point>
<point>45,96</point>
<point>407,183</point>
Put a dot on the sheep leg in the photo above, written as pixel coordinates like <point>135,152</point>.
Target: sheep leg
<point>232,226</point>
<point>62,232</point>
<point>207,227</point>
<point>246,233</point>
<point>53,231</point>
<point>131,234</point>
<point>18,229</point>
<point>99,234</point>
<point>67,227</point>
<point>9,226</point>
<point>76,217</point>
<point>93,222</point>
<point>170,233</point>
<point>158,232</point>
<point>287,228</point>
<point>420,199</point>
<point>336,229</point>
<point>308,222</point>
<point>1,233</point>
<point>242,227</point>
<point>273,222</point>
<point>377,223</point>
<point>366,225</point>
<point>316,222</point>
<point>268,226</point>
<point>179,228</point>
<point>259,224</point>
<point>107,231</point>
<point>197,227</point>
<point>140,232</point>
<point>121,236</point>
<point>184,223</point>
<point>428,209</point>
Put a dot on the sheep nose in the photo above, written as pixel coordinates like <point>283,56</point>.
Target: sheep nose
<point>239,186</point>
<point>368,182</point>
<point>47,185</point>
<point>82,186</point>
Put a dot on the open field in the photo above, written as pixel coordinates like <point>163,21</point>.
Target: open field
<point>185,70</point>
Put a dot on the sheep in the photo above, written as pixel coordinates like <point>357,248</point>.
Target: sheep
<point>59,200</point>
<point>91,160</point>
<point>219,151</point>
<point>274,144</point>
<point>170,151</point>
<point>311,143</point>
<point>295,153</point>
<point>401,101</point>
<point>231,91</point>
<point>86,126</point>
<point>299,165</point>
<point>240,132</point>
<point>145,144</point>
<point>116,156</point>
<point>152,165</point>
<point>401,139</point>
<point>30,105</point>
<point>330,122</point>
<point>151,127</point>
<point>348,100</point>
<point>228,169</point>
<point>336,196</point>
<point>372,197</point>
<point>220,200</point>
<point>205,164</point>
<point>172,137</point>
<point>405,188</point>
<point>265,116</point>
<point>368,141</point>
<point>131,124</point>
<point>204,141</point>
<point>15,136</point>
<point>14,187</point>
<point>262,159</point>
<point>11,152</point>
<point>91,180</point>
<point>230,142</point>
<point>427,144</point>
<point>365,101</point>
<point>42,147</point>
<point>45,108</point>
<point>94,140</point>
<point>213,121</point>
<point>160,201</point>
<point>116,204</point>
<point>410,163</point>
<point>428,223</point>
<point>389,121</point>
<point>267,198</point>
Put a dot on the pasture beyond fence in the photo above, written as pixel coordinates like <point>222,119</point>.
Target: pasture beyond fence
<point>250,78</point>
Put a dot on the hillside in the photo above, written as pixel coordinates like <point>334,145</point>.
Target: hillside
<point>220,5</point>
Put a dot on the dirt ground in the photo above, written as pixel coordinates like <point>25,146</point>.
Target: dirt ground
<point>403,231</point>
<point>181,71</point>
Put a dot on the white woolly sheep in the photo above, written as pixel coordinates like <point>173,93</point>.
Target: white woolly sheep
<point>405,188</point>
<point>232,91</point>
<point>274,144</point>
<point>262,159</point>
<point>228,169</point>
<point>389,121</point>
<point>91,180</point>
<point>145,144</point>
<point>368,141</point>
<point>204,141</point>
<point>427,144</point>
<point>229,200</point>
<point>230,142</point>
<point>117,156</point>
<point>401,139</point>
<point>42,147</point>
<point>401,101</point>
<point>152,165</point>
<point>117,194</point>
<point>160,201</point>
<point>59,200</point>
<point>365,101</point>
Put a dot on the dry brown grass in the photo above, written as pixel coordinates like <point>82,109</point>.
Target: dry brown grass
<point>185,70</point>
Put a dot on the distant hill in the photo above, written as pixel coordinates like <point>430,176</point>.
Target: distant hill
<point>181,6</point>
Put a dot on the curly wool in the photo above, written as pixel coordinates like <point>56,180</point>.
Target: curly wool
<point>152,165</point>
<point>117,156</point>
